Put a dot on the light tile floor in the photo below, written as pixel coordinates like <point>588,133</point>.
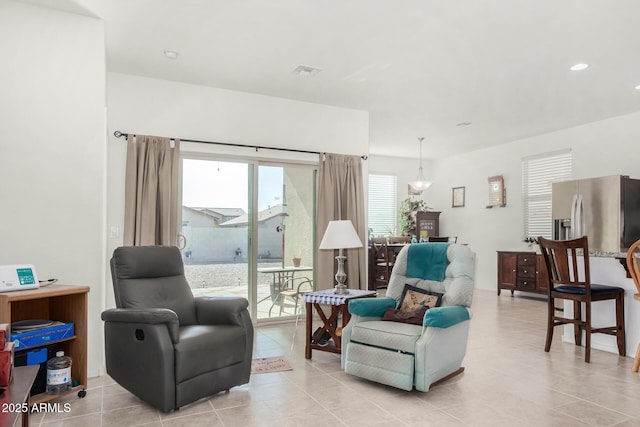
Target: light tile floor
<point>509,381</point>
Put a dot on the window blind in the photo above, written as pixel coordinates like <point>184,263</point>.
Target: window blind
<point>538,172</point>
<point>382,204</point>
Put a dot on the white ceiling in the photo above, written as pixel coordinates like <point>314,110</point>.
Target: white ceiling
<point>419,67</point>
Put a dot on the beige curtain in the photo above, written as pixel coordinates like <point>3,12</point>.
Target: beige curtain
<point>341,196</point>
<point>151,191</point>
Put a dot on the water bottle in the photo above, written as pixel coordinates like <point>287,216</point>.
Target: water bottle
<point>58,373</point>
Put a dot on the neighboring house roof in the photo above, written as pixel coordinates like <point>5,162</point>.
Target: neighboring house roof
<point>270,212</point>
<point>230,212</point>
<point>193,211</point>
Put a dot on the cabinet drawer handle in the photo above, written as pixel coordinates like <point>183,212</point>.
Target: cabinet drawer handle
<point>525,271</point>
<point>525,260</point>
<point>524,283</point>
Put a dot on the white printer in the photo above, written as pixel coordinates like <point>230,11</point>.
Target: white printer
<point>18,277</point>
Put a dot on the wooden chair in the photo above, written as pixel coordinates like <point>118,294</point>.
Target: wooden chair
<point>382,264</point>
<point>568,280</point>
<point>295,288</point>
<point>634,272</point>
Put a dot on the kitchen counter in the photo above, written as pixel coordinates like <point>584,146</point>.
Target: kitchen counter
<point>608,254</point>
<point>598,254</point>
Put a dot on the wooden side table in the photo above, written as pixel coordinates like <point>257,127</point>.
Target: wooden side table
<point>64,303</point>
<point>339,305</point>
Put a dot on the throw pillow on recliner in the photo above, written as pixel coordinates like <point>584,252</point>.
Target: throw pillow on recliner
<point>413,305</point>
<point>414,297</point>
<point>414,317</point>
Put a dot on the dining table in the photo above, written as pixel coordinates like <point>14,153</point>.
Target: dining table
<point>280,277</point>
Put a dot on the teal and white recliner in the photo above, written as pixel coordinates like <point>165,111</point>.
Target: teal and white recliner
<point>407,355</point>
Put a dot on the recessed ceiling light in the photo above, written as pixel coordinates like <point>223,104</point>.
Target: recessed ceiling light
<point>305,70</point>
<point>638,87</point>
<point>171,54</point>
<point>579,67</point>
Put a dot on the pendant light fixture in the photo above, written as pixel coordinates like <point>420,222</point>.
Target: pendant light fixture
<point>420,184</point>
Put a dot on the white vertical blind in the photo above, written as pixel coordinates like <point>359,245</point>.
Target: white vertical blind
<point>538,172</point>
<point>383,209</point>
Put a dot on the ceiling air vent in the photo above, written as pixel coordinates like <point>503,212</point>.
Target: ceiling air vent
<point>305,70</point>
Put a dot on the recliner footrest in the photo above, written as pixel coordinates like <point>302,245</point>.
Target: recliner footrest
<point>384,366</point>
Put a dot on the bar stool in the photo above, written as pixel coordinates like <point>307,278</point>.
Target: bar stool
<point>561,258</point>
<point>634,272</point>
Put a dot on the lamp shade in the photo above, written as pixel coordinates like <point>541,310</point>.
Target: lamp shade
<point>340,235</point>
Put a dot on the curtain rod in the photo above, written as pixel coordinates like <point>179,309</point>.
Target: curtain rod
<point>118,134</point>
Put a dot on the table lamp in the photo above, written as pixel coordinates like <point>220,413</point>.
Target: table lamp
<point>340,235</point>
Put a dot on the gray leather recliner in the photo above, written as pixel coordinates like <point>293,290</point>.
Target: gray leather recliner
<point>162,344</point>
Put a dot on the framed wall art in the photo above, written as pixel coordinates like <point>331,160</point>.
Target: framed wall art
<point>457,197</point>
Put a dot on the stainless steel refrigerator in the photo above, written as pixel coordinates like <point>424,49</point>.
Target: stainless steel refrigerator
<point>605,209</point>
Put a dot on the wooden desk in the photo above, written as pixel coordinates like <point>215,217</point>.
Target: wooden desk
<point>339,305</point>
<point>15,400</point>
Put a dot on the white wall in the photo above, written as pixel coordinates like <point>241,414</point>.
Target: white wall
<point>52,150</point>
<point>218,244</point>
<point>157,107</point>
<point>607,147</point>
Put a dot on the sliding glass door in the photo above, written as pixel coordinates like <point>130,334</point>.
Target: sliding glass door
<point>248,230</point>
<point>285,231</point>
<point>214,226</point>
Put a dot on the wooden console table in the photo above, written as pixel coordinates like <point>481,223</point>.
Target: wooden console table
<point>339,305</point>
<point>522,271</point>
<point>63,303</point>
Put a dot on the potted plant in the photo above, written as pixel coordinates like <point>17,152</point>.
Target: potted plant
<point>531,241</point>
<point>296,260</point>
<point>407,214</point>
